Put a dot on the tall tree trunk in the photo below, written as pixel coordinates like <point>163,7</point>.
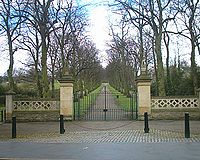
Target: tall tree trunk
<point>192,58</point>
<point>166,41</point>
<point>193,68</point>
<point>53,82</point>
<point>158,29</point>
<point>36,59</point>
<point>155,66</point>
<point>10,69</point>
<point>37,75</point>
<point>45,83</point>
<point>160,70</point>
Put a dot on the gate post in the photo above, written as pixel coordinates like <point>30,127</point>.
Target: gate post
<point>9,105</point>
<point>144,93</point>
<point>198,93</point>
<point>66,96</point>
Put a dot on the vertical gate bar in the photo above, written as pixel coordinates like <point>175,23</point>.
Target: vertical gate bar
<point>93,98</point>
<point>114,115</point>
<point>74,102</point>
<point>89,98</point>
<point>2,114</point>
<point>85,99</point>
<point>95,105</point>
<point>130,107</point>
<point>78,107</point>
<point>87,104</point>
<point>96,108</point>
<point>117,115</point>
<point>90,105</point>
<point>105,103</point>
<point>136,106</point>
<point>84,102</point>
<point>132,98</point>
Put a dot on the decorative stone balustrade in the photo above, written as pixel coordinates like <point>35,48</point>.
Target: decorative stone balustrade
<point>35,105</point>
<point>170,103</point>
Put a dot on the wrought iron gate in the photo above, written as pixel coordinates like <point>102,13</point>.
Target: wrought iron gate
<point>104,105</point>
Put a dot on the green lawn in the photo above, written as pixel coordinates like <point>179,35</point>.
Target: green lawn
<point>122,100</point>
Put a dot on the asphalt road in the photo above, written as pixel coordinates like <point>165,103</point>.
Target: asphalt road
<point>103,151</point>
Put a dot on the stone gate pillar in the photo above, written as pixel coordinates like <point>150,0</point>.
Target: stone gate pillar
<point>144,93</point>
<point>198,94</point>
<point>66,97</point>
<point>9,105</point>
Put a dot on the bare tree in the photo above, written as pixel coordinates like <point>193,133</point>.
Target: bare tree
<point>53,55</point>
<point>72,22</point>
<point>10,25</point>
<point>152,14</point>
<point>122,57</point>
<point>30,42</point>
<point>189,11</point>
<point>38,15</point>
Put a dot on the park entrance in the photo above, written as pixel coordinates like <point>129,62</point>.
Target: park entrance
<point>105,105</point>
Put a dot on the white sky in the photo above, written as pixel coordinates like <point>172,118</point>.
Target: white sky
<point>99,30</point>
<point>4,57</point>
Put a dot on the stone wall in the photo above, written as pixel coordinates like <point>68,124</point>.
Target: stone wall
<point>174,108</point>
<point>36,110</point>
<point>37,116</point>
<point>175,114</point>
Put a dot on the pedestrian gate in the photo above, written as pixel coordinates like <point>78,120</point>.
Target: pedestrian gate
<point>105,105</point>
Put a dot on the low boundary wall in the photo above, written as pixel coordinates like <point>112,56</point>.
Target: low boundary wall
<point>174,108</point>
<point>36,111</point>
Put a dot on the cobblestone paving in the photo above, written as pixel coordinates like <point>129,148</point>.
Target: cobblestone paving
<point>101,132</point>
<point>119,136</point>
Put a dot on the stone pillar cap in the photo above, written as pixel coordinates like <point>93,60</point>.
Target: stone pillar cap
<point>10,92</point>
<point>143,78</point>
<point>66,79</point>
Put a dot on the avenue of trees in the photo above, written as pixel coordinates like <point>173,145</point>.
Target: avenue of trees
<point>54,34</point>
<point>147,30</point>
